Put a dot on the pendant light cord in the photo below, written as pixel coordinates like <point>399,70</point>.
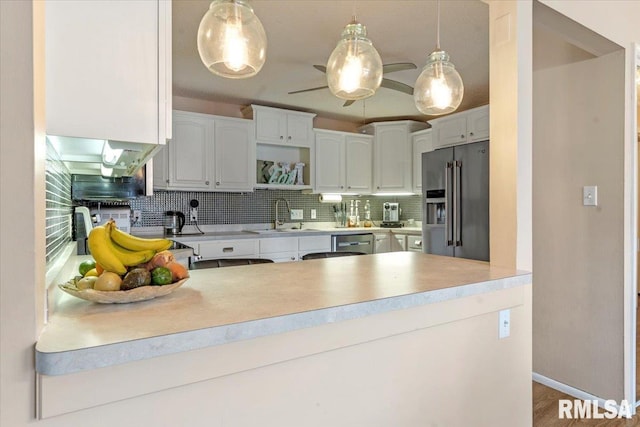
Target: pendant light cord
<point>438,25</point>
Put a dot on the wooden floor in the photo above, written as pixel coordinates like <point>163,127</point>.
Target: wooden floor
<point>545,411</point>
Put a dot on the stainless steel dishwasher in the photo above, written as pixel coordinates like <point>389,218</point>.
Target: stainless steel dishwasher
<point>362,243</point>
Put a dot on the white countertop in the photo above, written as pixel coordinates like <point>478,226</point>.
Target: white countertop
<point>256,231</point>
<point>223,305</point>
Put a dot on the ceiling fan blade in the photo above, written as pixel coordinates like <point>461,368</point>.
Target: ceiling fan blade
<point>394,85</point>
<point>320,68</point>
<point>308,90</point>
<point>400,66</point>
<point>349,102</point>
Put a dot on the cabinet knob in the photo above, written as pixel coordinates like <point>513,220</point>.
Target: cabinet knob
<point>471,133</point>
<point>349,187</point>
<point>293,258</point>
<point>281,137</point>
<point>167,181</point>
<point>289,137</point>
<point>461,136</point>
<point>206,182</point>
<point>341,187</point>
<point>217,182</point>
<point>378,187</point>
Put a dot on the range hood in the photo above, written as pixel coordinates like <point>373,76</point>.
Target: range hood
<point>108,158</point>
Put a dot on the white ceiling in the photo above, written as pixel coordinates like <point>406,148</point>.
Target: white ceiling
<point>301,33</point>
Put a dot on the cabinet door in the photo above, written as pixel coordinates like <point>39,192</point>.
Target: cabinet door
<point>382,243</point>
<point>450,131</point>
<point>398,243</point>
<point>421,143</point>
<point>190,152</point>
<point>271,126</point>
<point>358,163</point>
<point>160,164</point>
<point>311,244</point>
<point>234,155</point>
<point>329,162</point>
<point>478,124</point>
<point>392,160</point>
<point>85,96</point>
<point>299,130</point>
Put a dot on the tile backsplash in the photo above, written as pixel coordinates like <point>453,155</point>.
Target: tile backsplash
<point>58,204</point>
<point>257,207</point>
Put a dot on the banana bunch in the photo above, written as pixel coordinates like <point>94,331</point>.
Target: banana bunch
<point>116,250</point>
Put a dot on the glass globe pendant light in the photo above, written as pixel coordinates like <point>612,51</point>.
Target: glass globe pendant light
<point>231,40</point>
<point>439,88</point>
<point>354,69</point>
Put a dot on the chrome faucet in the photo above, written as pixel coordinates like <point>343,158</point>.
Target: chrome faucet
<point>279,222</point>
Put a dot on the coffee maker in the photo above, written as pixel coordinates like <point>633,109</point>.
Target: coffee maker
<point>391,215</point>
<point>173,222</point>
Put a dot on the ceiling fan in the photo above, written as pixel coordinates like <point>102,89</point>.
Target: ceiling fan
<point>386,83</point>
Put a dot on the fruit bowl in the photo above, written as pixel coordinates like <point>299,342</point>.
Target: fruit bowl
<point>141,293</point>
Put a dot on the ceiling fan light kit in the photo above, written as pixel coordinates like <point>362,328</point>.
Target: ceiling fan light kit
<point>439,88</point>
<point>354,69</point>
<point>231,40</point>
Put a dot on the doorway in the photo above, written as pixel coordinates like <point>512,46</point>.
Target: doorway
<point>580,280</point>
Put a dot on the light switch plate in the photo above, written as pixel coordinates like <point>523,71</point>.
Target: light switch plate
<point>297,214</point>
<point>313,214</point>
<point>590,195</point>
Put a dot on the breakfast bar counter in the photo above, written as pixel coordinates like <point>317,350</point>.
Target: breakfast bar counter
<point>226,321</point>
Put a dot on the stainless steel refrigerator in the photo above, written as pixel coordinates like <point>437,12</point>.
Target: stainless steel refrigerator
<point>455,190</point>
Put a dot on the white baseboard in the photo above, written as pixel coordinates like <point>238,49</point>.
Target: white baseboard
<point>571,391</point>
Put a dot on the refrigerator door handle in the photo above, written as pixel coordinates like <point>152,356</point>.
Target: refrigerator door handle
<point>449,203</point>
<point>457,179</point>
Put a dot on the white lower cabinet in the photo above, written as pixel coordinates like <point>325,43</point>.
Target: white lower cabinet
<point>389,242</point>
<point>414,243</point>
<point>279,249</point>
<point>313,244</point>
<point>398,242</point>
<point>241,248</point>
<point>382,243</point>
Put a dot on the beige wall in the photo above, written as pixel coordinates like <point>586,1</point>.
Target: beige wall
<point>578,251</point>
<point>233,110</point>
<point>22,208</point>
<point>510,165</point>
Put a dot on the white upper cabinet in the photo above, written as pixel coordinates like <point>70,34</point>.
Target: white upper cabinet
<point>329,162</point>
<point>461,128</point>
<point>342,162</point>
<point>392,155</point>
<point>234,155</point>
<point>185,163</point>
<point>358,163</point>
<point>108,69</point>
<point>207,153</point>
<point>421,142</point>
<point>278,126</point>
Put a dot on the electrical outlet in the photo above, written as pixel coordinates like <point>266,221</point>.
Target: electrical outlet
<point>313,214</point>
<point>504,324</point>
<point>137,216</point>
<point>297,214</point>
<point>193,216</point>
